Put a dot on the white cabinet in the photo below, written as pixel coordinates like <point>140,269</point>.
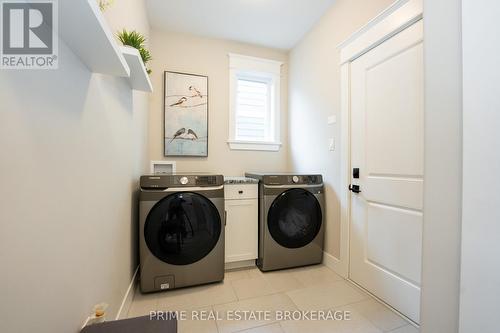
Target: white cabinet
<point>241,222</point>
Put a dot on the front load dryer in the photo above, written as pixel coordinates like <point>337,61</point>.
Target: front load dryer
<point>291,220</point>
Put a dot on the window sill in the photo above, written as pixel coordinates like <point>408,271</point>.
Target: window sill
<point>254,145</point>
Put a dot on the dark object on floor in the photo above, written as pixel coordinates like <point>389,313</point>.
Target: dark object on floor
<point>133,325</point>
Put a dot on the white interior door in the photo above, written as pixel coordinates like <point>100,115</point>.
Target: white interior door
<point>387,147</point>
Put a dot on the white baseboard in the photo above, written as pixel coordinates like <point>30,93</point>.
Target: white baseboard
<point>239,264</point>
<point>128,297</point>
<point>335,264</point>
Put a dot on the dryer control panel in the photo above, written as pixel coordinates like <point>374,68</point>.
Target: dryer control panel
<point>304,179</point>
<point>288,179</point>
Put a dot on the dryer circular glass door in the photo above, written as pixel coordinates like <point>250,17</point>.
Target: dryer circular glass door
<point>182,228</point>
<point>294,218</point>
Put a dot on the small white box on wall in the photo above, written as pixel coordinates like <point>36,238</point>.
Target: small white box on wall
<point>162,167</point>
<point>332,119</point>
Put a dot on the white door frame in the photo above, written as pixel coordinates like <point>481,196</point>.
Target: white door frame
<point>400,15</point>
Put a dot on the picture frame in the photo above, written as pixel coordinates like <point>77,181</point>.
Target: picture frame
<point>185,110</point>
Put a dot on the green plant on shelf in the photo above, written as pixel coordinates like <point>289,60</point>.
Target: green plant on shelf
<point>136,40</point>
<point>146,56</point>
<point>104,4</point>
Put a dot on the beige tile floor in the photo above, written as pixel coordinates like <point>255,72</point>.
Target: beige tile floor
<point>306,289</point>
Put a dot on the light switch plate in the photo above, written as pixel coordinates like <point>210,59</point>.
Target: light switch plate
<point>331,144</point>
<point>332,119</point>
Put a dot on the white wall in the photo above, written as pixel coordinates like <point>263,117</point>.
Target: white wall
<point>480,268</point>
<point>206,56</point>
<point>129,15</point>
<point>72,146</point>
<point>442,191</point>
<point>314,91</point>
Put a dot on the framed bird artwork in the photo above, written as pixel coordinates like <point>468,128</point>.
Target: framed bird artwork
<point>185,114</point>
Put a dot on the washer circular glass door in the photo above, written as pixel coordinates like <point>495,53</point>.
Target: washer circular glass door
<point>294,218</point>
<point>182,228</point>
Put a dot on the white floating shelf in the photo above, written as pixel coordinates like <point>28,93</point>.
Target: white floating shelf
<point>83,28</point>
<point>139,78</point>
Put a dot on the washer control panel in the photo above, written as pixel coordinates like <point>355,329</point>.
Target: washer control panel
<point>162,182</point>
<point>191,180</point>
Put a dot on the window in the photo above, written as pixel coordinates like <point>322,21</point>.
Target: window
<point>255,103</point>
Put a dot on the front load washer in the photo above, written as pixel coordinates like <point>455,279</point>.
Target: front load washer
<point>181,230</point>
<point>291,220</point>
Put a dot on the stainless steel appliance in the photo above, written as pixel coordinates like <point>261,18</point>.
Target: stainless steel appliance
<point>181,230</point>
<point>291,220</point>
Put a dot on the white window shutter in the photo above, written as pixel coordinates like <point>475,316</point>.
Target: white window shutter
<point>254,103</point>
<point>252,110</point>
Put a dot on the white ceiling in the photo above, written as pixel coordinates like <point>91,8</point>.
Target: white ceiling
<point>273,23</point>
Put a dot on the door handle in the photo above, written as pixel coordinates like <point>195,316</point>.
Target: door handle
<point>225,217</point>
<point>354,188</point>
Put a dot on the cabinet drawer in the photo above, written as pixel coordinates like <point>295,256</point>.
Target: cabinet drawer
<point>240,191</point>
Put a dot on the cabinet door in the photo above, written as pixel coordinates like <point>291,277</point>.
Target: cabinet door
<point>241,230</point>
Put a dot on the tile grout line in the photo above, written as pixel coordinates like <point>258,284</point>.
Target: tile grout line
<point>368,319</point>
<point>253,327</point>
<point>381,302</point>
